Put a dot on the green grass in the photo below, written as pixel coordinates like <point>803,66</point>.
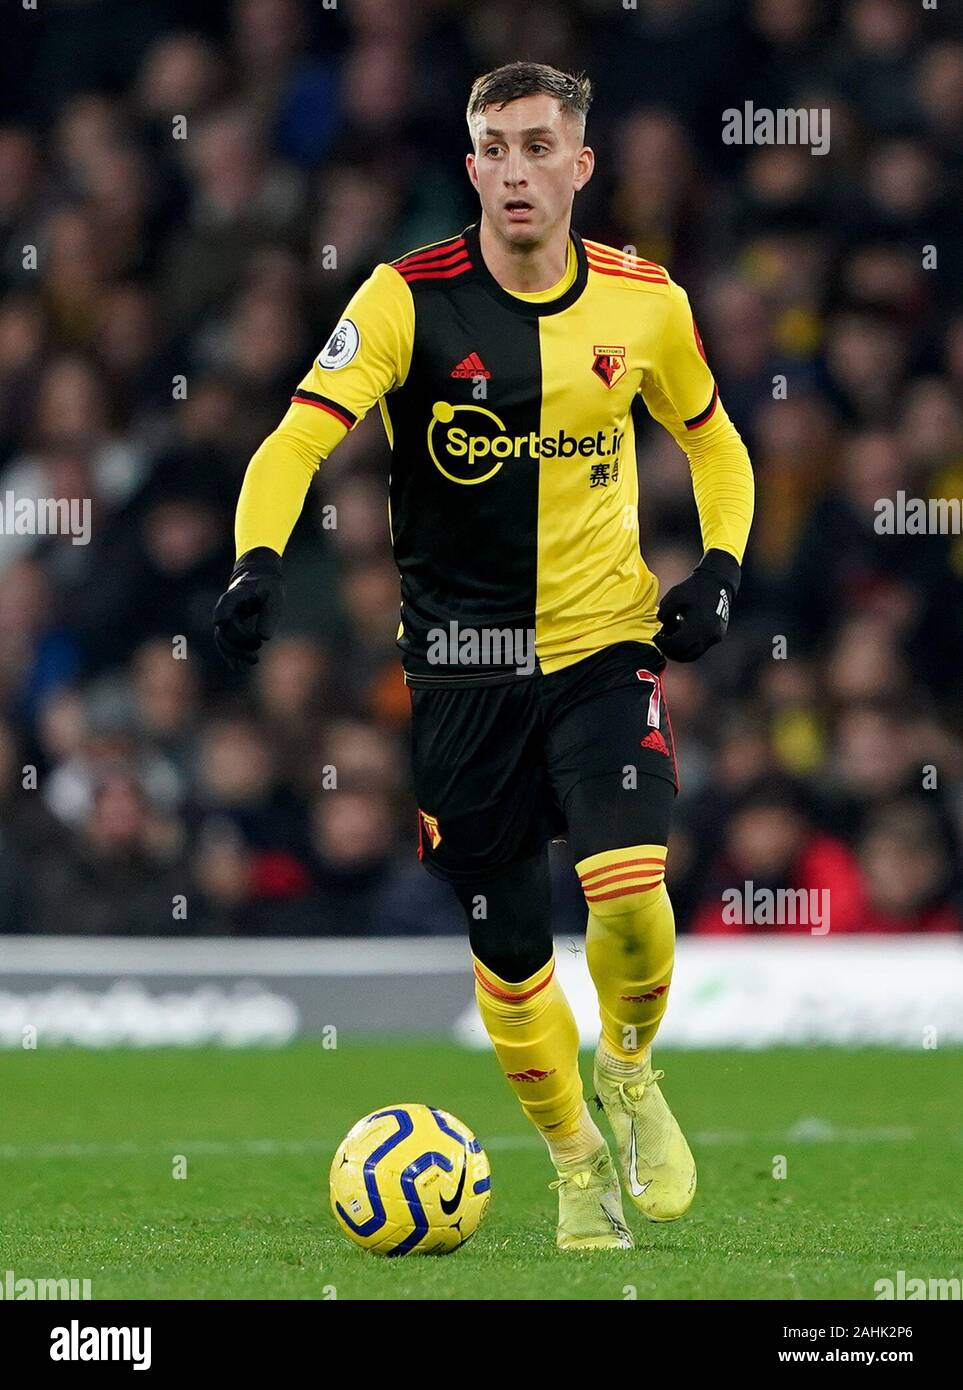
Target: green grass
<point>872,1139</point>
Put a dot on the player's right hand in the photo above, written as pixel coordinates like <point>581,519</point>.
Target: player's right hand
<point>249,610</point>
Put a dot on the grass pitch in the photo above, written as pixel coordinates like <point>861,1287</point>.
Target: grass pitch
<point>89,1142</point>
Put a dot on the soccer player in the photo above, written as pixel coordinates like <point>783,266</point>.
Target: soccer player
<point>505,361</point>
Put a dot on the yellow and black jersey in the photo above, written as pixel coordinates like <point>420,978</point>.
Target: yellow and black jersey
<point>513,494</point>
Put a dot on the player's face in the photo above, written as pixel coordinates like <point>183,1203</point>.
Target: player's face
<point>528,163</point>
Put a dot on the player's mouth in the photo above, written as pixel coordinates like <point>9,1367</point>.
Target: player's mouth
<point>518,209</point>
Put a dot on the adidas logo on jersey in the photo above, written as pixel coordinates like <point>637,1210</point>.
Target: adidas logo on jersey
<point>470,367</point>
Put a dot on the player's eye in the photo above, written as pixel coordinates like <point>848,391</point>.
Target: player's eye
<point>491,149</point>
<point>537,146</point>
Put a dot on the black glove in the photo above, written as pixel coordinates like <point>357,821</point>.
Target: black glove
<point>248,612</point>
<point>695,614</point>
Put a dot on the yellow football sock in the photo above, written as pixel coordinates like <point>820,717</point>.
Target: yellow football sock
<point>535,1037</point>
<point>629,944</point>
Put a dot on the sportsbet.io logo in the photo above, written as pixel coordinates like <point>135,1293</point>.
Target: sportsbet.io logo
<point>475,448</point>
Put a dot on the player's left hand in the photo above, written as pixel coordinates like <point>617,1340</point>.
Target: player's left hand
<point>695,614</point>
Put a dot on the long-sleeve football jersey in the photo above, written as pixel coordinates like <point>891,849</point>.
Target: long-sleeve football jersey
<point>513,492</point>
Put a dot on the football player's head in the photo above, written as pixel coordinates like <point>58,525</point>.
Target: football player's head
<point>529,156</point>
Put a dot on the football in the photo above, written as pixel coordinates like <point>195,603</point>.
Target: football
<point>410,1180</point>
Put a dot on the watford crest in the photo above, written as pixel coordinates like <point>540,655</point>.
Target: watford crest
<point>609,364</point>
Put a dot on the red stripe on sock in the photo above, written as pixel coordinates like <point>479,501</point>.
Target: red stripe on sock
<point>622,892</point>
<point>508,994</point>
<point>618,864</point>
<point>639,875</point>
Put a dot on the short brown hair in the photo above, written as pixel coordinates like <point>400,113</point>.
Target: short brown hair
<point>516,80</point>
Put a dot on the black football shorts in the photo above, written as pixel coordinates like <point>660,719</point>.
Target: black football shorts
<point>584,754</point>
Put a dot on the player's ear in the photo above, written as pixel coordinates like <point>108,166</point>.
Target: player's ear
<point>584,166</point>
<point>470,166</point>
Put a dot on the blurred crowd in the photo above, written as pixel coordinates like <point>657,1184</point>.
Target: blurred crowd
<point>204,187</point>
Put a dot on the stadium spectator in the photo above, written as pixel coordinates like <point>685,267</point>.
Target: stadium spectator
<point>771,846</point>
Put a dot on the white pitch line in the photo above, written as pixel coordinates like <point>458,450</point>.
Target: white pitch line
<point>255,1148</point>
<point>809,1131</point>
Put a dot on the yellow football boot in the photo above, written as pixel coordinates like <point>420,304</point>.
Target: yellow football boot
<point>657,1164</point>
<point>590,1206</point>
